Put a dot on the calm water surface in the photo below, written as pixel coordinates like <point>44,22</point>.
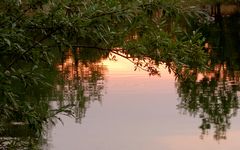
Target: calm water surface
<point>137,112</point>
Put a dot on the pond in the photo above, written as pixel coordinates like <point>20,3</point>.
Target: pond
<point>111,100</point>
<point>126,108</point>
<point>138,112</point>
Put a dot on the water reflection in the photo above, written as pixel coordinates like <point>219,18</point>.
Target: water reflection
<point>140,113</point>
<point>81,83</point>
<point>210,95</point>
<point>213,98</point>
<point>214,95</point>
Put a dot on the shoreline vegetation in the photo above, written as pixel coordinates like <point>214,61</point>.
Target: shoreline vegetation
<point>35,34</point>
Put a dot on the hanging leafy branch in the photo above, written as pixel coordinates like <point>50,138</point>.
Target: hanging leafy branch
<point>31,31</point>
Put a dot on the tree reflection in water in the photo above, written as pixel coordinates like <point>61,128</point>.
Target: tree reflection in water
<point>212,96</point>
<point>79,83</point>
<point>82,82</point>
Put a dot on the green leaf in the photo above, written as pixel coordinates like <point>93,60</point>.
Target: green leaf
<point>7,41</point>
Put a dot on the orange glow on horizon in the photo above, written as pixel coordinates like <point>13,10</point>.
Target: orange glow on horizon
<point>123,65</point>
<point>118,64</point>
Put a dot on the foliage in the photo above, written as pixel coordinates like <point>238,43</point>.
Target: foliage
<point>31,31</point>
<point>212,95</point>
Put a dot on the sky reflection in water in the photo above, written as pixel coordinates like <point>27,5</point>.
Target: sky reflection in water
<point>137,112</point>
